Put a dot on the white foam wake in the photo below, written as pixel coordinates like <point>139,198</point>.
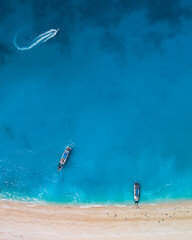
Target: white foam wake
<point>44,37</point>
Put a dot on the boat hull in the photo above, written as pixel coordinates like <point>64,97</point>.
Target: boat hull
<point>136,192</point>
<point>64,158</point>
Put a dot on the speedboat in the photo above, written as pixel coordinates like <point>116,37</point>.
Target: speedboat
<point>64,158</point>
<point>136,193</point>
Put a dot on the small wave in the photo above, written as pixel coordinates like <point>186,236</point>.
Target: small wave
<point>104,205</point>
<point>13,197</point>
<point>90,206</point>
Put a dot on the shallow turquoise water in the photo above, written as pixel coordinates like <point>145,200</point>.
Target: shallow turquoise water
<point>116,84</point>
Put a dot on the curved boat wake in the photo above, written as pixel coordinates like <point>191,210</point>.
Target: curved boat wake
<point>42,38</point>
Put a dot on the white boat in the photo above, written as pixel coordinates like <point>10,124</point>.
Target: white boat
<point>64,158</point>
<point>136,193</point>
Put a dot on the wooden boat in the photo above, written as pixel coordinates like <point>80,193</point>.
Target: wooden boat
<point>64,158</point>
<point>136,193</point>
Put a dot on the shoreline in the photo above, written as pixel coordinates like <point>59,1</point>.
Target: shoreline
<point>98,204</point>
<point>28,221</point>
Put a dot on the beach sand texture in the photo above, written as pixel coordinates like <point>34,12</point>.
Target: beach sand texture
<point>22,221</point>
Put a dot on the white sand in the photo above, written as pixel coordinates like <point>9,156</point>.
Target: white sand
<point>162,221</point>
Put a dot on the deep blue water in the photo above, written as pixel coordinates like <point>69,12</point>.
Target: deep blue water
<point>115,82</point>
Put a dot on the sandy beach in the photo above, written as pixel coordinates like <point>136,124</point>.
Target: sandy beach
<point>159,221</point>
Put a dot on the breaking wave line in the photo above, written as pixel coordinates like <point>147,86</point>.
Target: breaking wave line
<point>44,37</point>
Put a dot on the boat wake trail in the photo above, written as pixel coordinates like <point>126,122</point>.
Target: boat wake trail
<point>44,37</point>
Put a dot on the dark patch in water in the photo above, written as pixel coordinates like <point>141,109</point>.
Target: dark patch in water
<point>5,9</point>
<point>9,132</point>
<point>4,51</point>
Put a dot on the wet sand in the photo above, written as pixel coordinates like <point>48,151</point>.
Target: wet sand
<point>37,222</point>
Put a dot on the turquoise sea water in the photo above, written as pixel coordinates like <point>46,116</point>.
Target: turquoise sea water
<point>115,82</point>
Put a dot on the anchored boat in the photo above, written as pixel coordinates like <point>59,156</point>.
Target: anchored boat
<point>64,158</point>
<point>136,193</point>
